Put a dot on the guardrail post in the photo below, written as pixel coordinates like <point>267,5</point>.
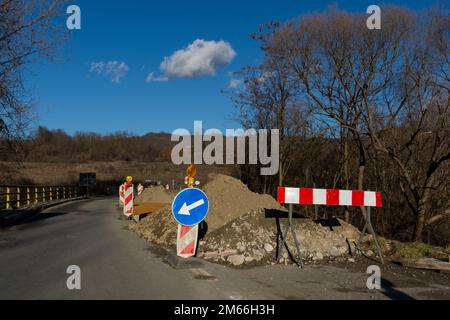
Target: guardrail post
<point>51,193</point>
<point>36,195</point>
<point>7,198</point>
<point>64,192</point>
<point>43,194</point>
<point>28,197</point>
<point>57,193</point>
<point>18,197</point>
<point>70,192</point>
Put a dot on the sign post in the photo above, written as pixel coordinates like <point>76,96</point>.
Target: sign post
<point>189,208</point>
<point>88,180</point>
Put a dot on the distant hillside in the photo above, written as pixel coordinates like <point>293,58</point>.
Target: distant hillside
<point>111,172</point>
<point>57,146</point>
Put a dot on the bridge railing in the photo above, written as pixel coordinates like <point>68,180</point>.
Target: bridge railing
<point>18,197</point>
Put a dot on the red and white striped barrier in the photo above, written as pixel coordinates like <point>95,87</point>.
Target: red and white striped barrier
<point>329,197</point>
<point>187,240</point>
<point>128,207</point>
<point>121,195</point>
<point>140,189</point>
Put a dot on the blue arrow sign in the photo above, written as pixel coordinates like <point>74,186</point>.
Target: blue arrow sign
<point>190,207</point>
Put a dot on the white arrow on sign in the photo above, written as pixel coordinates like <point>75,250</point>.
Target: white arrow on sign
<point>186,208</point>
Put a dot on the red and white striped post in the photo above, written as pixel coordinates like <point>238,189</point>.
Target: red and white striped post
<point>121,195</point>
<point>328,197</point>
<point>128,207</point>
<point>187,240</point>
<point>140,189</point>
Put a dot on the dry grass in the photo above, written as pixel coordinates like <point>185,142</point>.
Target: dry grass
<point>45,173</point>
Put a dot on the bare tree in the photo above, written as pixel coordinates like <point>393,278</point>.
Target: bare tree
<point>28,30</point>
<point>267,99</point>
<point>385,91</point>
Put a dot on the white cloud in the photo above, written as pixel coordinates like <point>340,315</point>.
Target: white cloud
<point>152,78</point>
<point>116,70</point>
<point>200,58</point>
<point>234,83</point>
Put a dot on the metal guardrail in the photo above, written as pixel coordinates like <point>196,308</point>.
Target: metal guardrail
<point>17,197</point>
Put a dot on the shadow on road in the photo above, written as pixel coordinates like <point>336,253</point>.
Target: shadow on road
<point>392,293</point>
<point>23,218</point>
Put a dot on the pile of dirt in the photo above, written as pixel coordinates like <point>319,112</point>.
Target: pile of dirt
<point>242,228</point>
<point>155,194</point>
<point>229,198</point>
<point>251,239</point>
<point>159,228</point>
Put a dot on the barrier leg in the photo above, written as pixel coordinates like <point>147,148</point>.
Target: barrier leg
<point>368,226</point>
<point>281,245</point>
<point>284,235</point>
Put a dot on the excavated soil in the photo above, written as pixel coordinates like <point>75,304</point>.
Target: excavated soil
<point>242,227</point>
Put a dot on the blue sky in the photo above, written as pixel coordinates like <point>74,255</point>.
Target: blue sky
<point>73,95</point>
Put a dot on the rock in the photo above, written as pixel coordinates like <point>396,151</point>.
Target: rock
<point>342,250</point>
<point>285,255</point>
<point>211,254</point>
<point>236,259</point>
<point>369,253</point>
<point>228,252</point>
<point>256,252</point>
<point>351,260</point>
<point>268,247</point>
<point>249,259</point>
<point>334,252</point>
<point>319,256</point>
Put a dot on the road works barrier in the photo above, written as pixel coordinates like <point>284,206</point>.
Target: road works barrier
<point>19,197</point>
<point>121,195</point>
<point>128,206</point>
<point>140,189</point>
<point>187,240</point>
<point>328,197</point>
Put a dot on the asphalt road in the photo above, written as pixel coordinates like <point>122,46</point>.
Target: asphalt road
<point>117,264</point>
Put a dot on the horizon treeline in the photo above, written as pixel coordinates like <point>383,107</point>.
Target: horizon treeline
<point>45,145</point>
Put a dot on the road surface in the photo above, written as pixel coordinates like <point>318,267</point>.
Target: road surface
<point>116,264</point>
